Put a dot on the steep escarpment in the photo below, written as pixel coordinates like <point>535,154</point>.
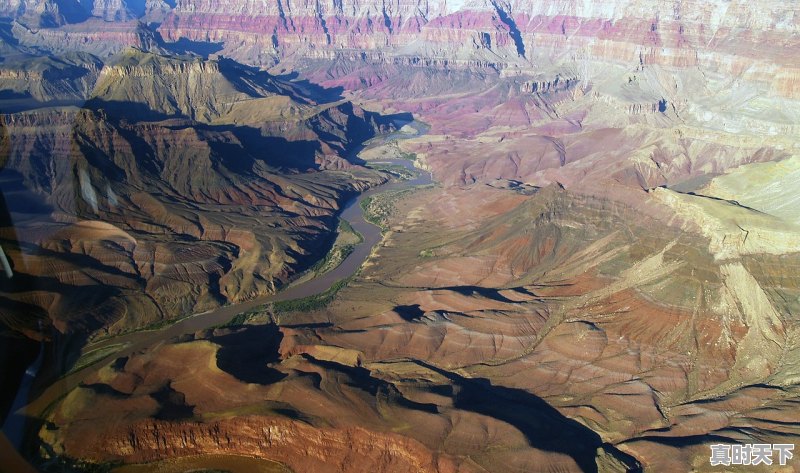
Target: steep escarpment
<point>29,81</point>
<point>36,13</point>
<point>289,25</point>
<point>680,35</point>
<point>93,35</point>
<point>52,13</point>
<point>343,416</point>
<point>603,278</point>
<point>170,201</point>
<point>195,89</point>
<point>520,35</point>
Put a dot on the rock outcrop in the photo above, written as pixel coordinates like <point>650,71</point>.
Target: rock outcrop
<point>604,276</point>
<point>178,186</point>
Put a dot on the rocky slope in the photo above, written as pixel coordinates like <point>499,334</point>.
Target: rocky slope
<point>647,333</point>
<point>514,35</point>
<point>29,80</point>
<point>468,324</point>
<point>610,254</point>
<point>162,196</point>
<point>344,417</point>
<point>36,13</point>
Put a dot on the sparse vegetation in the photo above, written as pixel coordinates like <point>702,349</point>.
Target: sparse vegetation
<point>304,304</point>
<point>396,170</point>
<point>159,324</point>
<point>94,356</point>
<point>345,244</point>
<point>369,214</point>
<point>239,319</point>
<point>378,208</point>
<point>311,303</point>
<point>346,241</point>
<point>407,156</point>
<point>345,227</point>
<point>65,464</point>
<point>332,259</point>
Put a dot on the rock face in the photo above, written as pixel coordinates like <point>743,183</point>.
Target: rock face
<point>52,13</point>
<point>354,448</point>
<point>35,13</point>
<point>347,417</point>
<point>27,78</point>
<point>132,190</point>
<point>604,277</point>
<point>520,33</point>
<point>94,36</point>
<point>112,10</point>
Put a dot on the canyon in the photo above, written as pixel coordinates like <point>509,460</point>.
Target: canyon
<point>603,276</point>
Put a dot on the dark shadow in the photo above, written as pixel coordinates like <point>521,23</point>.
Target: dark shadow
<point>719,199</point>
<point>16,354</point>
<point>314,91</point>
<point>693,440</point>
<point>240,158</point>
<point>6,35</point>
<point>287,410</point>
<point>248,352</point>
<point>486,292</point>
<point>409,313</point>
<point>186,46</point>
<point>313,325</point>
<point>361,378</point>
<point>778,390</point>
<point>399,119</point>
<point>61,351</point>
<point>18,198</point>
<point>22,103</point>
<point>544,427</point>
<point>386,126</point>
<point>290,413</point>
<point>130,111</point>
<point>11,95</point>
<point>513,31</point>
<point>276,152</point>
<point>236,73</point>
<point>137,7</point>
<point>119,364</point>
<point>64,70</point>
<point>105,390</point>
<point>77,259</point>
<point>75,11</point>
<point>172,404</point>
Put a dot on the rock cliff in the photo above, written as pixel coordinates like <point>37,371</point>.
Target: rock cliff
<point>610,252</point>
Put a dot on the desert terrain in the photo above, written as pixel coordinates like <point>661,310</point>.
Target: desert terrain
<point>399,236</point>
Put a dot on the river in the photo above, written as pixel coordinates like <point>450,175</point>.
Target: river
<point>352,212</point>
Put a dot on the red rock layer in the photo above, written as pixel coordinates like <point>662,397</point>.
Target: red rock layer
<point>684,34</point>
<point>323,450</point>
